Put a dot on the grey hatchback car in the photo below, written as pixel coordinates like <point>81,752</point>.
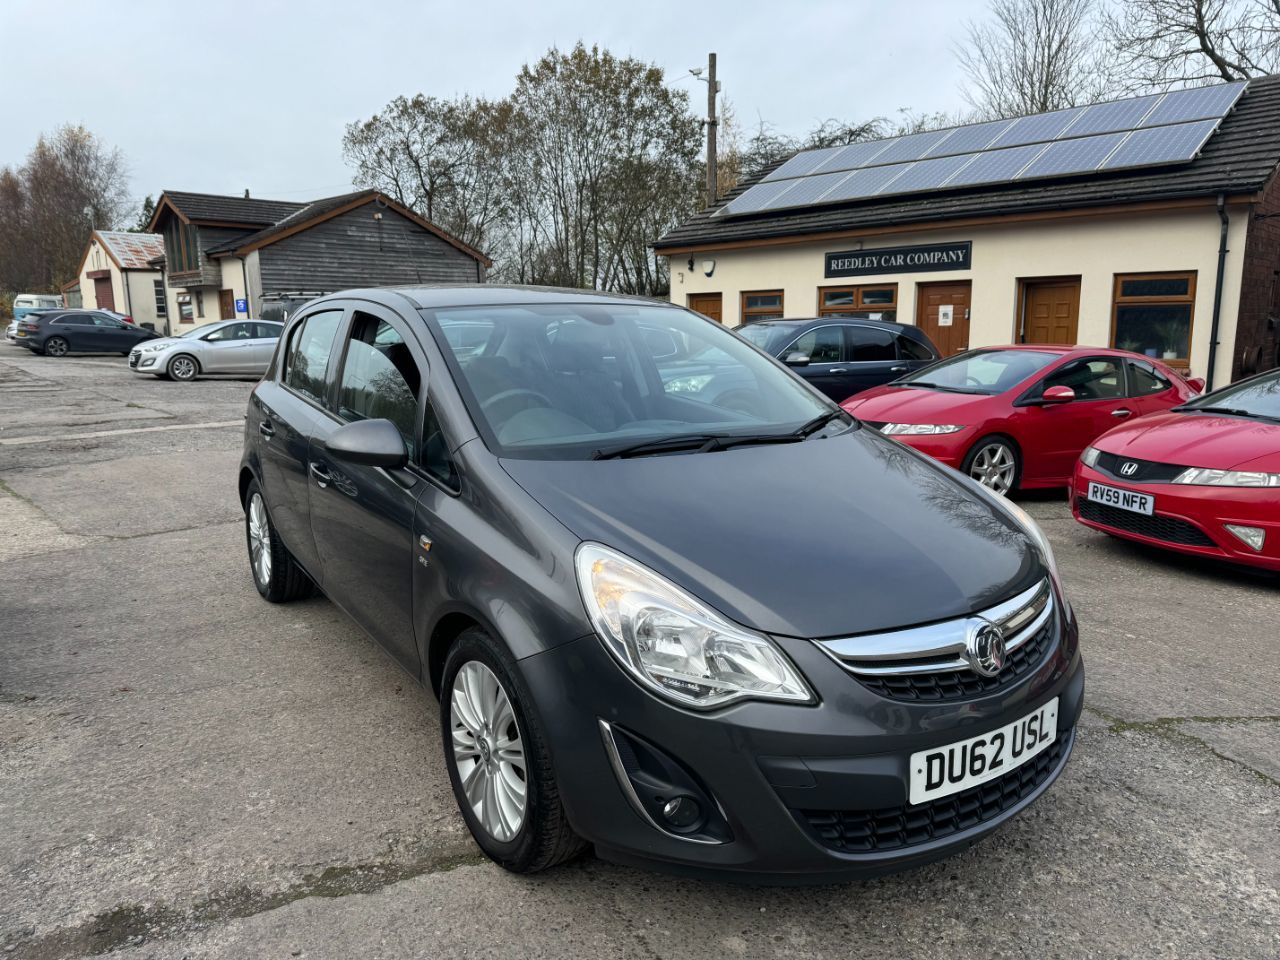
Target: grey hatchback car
<point>754,640</point>
<point>230,347</point>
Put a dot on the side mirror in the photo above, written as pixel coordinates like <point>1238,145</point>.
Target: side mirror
<point>1196,384</point>
<point>1058,395</point>
<point>796,359</point>
<point>371,443</point>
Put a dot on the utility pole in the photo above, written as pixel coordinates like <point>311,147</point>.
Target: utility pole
<point>712,89</point>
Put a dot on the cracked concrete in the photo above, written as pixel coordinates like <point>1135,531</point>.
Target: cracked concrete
<point>187,771</point>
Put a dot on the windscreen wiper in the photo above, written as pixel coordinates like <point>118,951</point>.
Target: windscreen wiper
<point>931,386</point>
<point>686,441</point>
<point>817,423</point>
<point>1234,411</point>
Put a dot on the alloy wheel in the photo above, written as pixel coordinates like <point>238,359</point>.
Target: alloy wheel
<point>993,467</point>
<point>488,750</point>
<point>259,540</point>
<point>182,368</point>
<point>56,347</point>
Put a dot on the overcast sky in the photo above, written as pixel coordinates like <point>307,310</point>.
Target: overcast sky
<point>228,95</point>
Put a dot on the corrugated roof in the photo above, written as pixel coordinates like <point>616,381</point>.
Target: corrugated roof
<point>304,213</point>
<point>131,250</point>
<point>220,209</point>
<point>1240,158</point>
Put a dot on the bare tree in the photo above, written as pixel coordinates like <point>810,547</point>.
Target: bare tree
<point>1160,44</point>
<point>1032,56</point>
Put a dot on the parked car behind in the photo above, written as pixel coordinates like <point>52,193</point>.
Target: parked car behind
<point>842,356</point>
<point>1202,478</point>
<point>25,303</point>
<point>11,332</point>
<point>60,332</point>
<point>1019,416</point>
<point>611,586</point>
<point>233,346</point>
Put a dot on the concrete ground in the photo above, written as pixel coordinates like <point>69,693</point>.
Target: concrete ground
<point>186,771</point>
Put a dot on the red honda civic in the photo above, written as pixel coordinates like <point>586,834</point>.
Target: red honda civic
<point>1019,416</point>
<point>1202,478</point>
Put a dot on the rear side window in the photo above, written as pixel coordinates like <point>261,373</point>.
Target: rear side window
<point>913,349</point>
<point>1145,380</point>
<point>380,379</point>
<point>266,331</point>
<point>870,345</point>
<point>309,354</point>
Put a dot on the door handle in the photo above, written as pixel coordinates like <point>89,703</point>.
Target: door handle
<point>1122,412</point>
<point>320,475</point>
<point>898,369</point>
<point>837,370</point>
<point>266,429</point>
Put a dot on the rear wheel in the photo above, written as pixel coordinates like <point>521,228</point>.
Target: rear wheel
<point>275,573</point>
<point>183,367</point>
<point>994,462</point>
<point>498,760</point>
<point>55,347</point>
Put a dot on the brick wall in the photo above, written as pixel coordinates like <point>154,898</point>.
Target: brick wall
<point>1257,345</point>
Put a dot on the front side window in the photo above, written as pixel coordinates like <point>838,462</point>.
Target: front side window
<point>762,305</point>
<point>565,381</point>
<point>981,371</point>
<point>380,379</point>
<point>1144,379</point>
<point>311,344</point>
<point>869,345</point>
<point>231,331</point>
<point>823,345</point>
<point>1096,379</point>
<point>1153,314</point>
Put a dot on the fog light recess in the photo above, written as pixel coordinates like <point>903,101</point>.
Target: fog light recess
<point>1251,537</point>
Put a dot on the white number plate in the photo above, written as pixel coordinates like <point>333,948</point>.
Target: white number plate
<point>1124,499</point>
<point>943,771</point>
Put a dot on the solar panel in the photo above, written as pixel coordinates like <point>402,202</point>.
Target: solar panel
<point>1111,117</point>
<point>856,154</point>
<point>804,163</point>
<point>1170,144</point>
<point>759,195</point>
<point>1200,103</point>
<point>976,136</point>
<point>912,147</point>
<point>996,166</point>
<point>1072,156</point>
<point>806,190</point>
<point>928,174</point>
<point>1038,128</point>
<point>866,182</point>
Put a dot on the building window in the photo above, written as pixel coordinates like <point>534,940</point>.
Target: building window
<point>1152,314</point>
<point>762,305</point>
<point>162,308</point>
<point>834,301</point>
<point>185,312</point>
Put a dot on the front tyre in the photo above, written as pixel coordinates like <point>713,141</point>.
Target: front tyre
<point>995,463</point>
<point>498,760</point>
<point>182,368</point>
<point>275,573</point>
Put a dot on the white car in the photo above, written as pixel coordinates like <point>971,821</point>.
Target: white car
<point>232,346</point>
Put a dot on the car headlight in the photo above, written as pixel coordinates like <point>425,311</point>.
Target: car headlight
<point>672,643</point>
<point>688,384</point>
<point>1090,456</point>
<point>1204,477</point>
<point>151,347</point>
<point>920,429</point>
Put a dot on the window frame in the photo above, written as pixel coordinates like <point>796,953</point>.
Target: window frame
<point>858,304</point>
<point>748,315</point>
<point>1189,298</point>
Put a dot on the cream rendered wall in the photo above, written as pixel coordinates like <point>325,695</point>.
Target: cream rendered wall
<point>1093,248</point>
<point>98,260</point>
<point>233,279</point>
<point>142,297</point>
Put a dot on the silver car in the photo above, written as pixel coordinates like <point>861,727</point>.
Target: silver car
<point>232,346</point>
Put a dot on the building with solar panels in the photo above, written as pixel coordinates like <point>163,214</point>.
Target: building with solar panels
<point>1150,224</point>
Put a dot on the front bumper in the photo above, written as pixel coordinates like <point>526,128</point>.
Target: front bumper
<point>780,772</point>
<point>144,362</point>
<point>1187,511</point>
<point>948,448</point>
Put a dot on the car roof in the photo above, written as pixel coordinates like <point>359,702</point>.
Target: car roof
<point>434,296</point>
<point>796,324</point>
<point>1069,350</point>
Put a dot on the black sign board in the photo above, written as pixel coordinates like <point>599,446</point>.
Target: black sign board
<point>919,259</point>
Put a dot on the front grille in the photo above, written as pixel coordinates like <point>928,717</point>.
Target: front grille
<point>962,684</point>
<point>892,828</point>
<point>1146,471</point>
<point>1168,529</point>
<point>133,359</point>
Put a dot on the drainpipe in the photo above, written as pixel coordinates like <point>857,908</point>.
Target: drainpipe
<point>248,295</point>
<point>128,301</point>
<point>1217,290</point>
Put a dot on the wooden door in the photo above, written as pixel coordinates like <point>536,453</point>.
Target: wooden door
<point>707,304</point>
<point>227,304</point>
<point>942,312</point>
<point>103,293</point>
<point>1050,311</point>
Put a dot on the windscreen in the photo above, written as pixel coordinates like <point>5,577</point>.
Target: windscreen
<point>983,371</point>
<point>1258,397</point>
<point>563,381</point>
